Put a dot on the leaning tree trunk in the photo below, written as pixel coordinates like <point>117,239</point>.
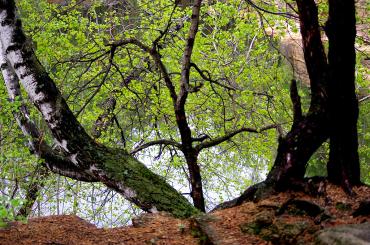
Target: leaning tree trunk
<point>79,157</point>
<point>343,166</point>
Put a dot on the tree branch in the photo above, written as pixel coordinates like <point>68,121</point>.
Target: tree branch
<point>219,140</point>
<point>112,51</point>
<point>200,138</point>
<point>285,14</point>
<point>33,190</point>
<point>155,142</point>
<point>157,59</point>
<point>122,134</point>
<point>364,98</point>
<point>164,33</point>
<point>208,78</point>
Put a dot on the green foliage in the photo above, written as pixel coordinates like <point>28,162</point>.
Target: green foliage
<point>8,208</point>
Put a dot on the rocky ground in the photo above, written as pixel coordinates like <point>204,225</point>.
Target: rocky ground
<point>287,218</point>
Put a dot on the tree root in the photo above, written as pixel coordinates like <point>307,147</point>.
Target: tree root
<point>313,186</point>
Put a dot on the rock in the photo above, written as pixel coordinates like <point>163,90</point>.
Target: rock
<point>357,234</point>
<point>264,218</point>
<point>286,233</point>
<point>146,219</point>
<point>363,209</point>
<point>276,231</point>
<point>202,229</point>
<point>300,207</point>
<point>261,220</point>
<point>291,48</point>
<point>268,204</point>
<point>142,220</point>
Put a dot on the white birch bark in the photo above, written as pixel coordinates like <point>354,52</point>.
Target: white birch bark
<point>30,130</point>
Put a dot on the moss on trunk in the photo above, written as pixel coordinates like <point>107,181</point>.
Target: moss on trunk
<point>131,178</point>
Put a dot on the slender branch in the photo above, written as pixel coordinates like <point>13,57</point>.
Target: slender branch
<point>185,70</point>
<point>285,14</point>
<point>155,142</point>
<point>201,138</point>
<point>164,33</point>
<point>123,139</point>
<point>226,137</point>
<point>157,59</point>
<point>364,98</point>
<point>112,51</point>
<point>134,41</point>
<point>79,89</point>
<point>291,6</point>
<point>207,77</point>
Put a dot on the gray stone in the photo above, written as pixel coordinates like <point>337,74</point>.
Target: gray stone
<point>356,234</point>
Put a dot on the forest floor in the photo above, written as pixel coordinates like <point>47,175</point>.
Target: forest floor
<point>286,218</point>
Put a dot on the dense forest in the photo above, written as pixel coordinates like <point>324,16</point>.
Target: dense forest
<point>112,108</point>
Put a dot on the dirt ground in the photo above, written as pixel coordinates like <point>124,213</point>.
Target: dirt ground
<point>229,226</point>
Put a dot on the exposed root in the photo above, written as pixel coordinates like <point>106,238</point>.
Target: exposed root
<point>313,186</point>
<point>254,193</point>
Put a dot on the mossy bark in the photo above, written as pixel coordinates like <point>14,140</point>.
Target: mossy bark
<point>120,171</point>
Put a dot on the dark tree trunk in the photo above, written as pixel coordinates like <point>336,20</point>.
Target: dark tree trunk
<point>295,149</point>
<point>333,109</point>
<point>195,179</point>
<point>343,166</point>
<point>191,157</point>
<point>310,131</point>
